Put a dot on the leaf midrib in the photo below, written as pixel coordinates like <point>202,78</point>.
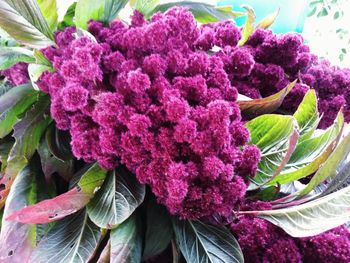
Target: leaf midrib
<point>75,252</point>
<point>201,242</point>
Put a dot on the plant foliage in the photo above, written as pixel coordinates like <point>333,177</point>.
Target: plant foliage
<point>55,207</point>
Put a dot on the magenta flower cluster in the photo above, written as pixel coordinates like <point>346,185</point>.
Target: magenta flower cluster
<point>332,85</point>
<point>150,97</point>
<point>263,242</point>
<point>17,74</point>
<point>269,62</point>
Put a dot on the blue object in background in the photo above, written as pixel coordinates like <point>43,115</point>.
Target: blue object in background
<point>291,17</point>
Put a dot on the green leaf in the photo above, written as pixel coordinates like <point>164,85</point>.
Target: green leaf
<point>6,40</point>
<point>339,181</point>
<point>5,148</point>
<point>14,103</point>
<point>268,129</point>
<point>315,3</point>
<point>35,71</point>
<point>267,194</point>
<point>1,216</point>
<point>311,218</point>
<point>201,242</point>
<point>17,240</point>
<point>146,7</point>
<point>310,154</point>
<point>62,8</point>
<point>323,12</point>
<point>307,115</point>
<point>257,107</point>
<point>329,168</point>
<point>336,15</point>
<point>248,28</point>
<point>50,210</point>
<point>159,230</point>
<point>112,8</point>
<point>72,239</point>
<point>204,13</point>
<point>27,134</point>
<point>68,19</point>
<point>312,12</point>
<point>117,199</point>
<point>88,9</point>
<point>276,137</point>
<point>228,9</point>
<point>41,59</point>
<point>266,22</point>
<point>10,56</point>
<point>49,10</point>
<point>126,242</point>
<point>58,143</point>
<point>50,164</point>
<point>29,130</point>
<point>84,33</point>
<point>23,20</point>
<point>5,86</point>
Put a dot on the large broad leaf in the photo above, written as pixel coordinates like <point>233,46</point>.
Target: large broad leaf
<point>65,204</point>
<point>5,148</point>
<point>29,130</point>
<point>204,13</point>
<point>267,194</point>
<point>68,18</point>
<point>86,10</point>
<point>11,171</point>
<point>12,104</point>
<point>257,107</point>
<point>49,10</point>
<point>200,242</point>
<point>5,86</point>
<point>9,56</point>
<point>126,242</point>
<point>311,218</point>
<point>117,199</point>
<point>27,134</point>
<point>339,181</point>
<point>58,143</point>
<point>51,164</point>
<point>105,254</point>
<point>112,8</point>
<point>23,20</point>
<point>17,240</point>
<point>329,168</point>
<point>62,7</point>
<point>248,28</point>
<point>307,115</point>
<point>144,6</point>
<point>72,239</point>
<point>41,59</point>
<point>276,137</point>
<point>6,40</point>
<point>310,154</point>
<point>159,230</point>
<point>35,71</point>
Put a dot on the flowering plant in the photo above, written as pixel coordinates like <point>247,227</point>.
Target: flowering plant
<point>176,136</point>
